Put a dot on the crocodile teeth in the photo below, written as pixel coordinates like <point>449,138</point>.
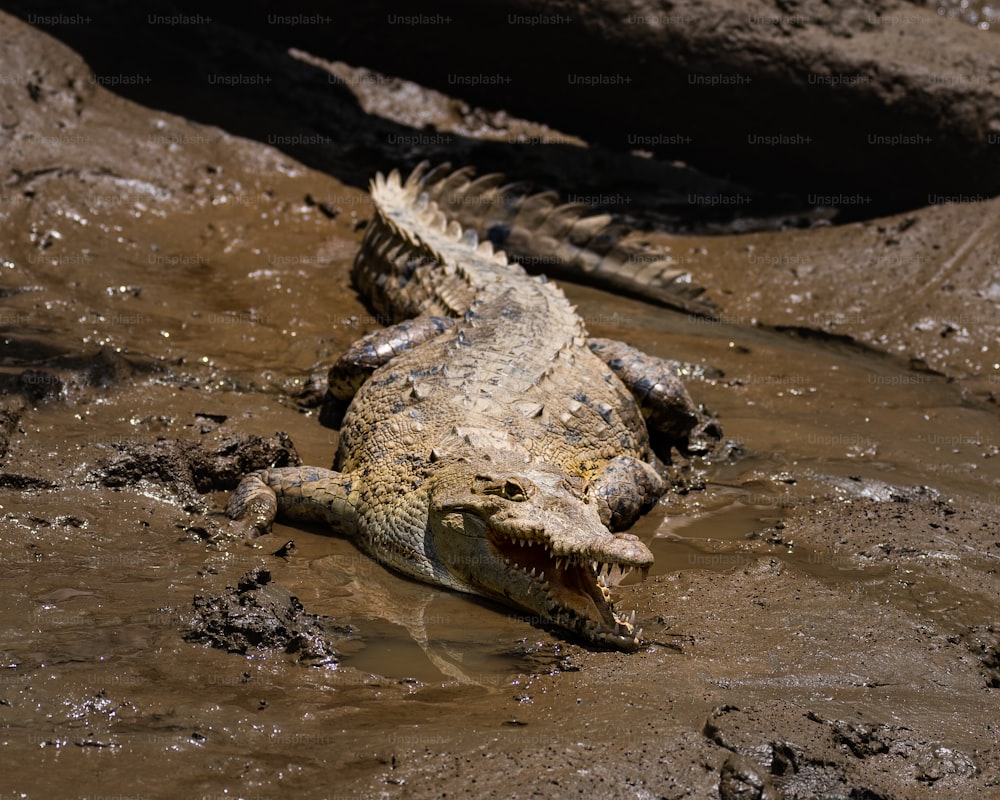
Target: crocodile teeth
<point>631,619</point>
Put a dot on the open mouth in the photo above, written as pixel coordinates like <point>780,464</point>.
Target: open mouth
<point>576,588</point>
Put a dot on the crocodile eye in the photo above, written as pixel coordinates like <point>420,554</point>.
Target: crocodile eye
<point>515,489</point>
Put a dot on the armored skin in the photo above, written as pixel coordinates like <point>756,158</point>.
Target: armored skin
<point>485,446</point>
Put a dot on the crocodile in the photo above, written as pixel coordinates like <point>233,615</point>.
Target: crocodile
<point>564,240</point>
<point>486,444</point>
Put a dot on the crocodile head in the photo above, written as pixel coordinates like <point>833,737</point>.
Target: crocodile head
<point>528,536</point>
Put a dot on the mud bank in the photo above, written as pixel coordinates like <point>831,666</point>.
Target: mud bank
<point>821,617</point>
<point>882,97</point>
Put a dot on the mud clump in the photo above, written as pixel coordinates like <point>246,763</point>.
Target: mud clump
<point>192,467</point>
<point>742,779</point>
<point>258,614</point>
<point>108,368</point>
<point>836,758</point>
<point>984,642</point>
<point>72,377</point>
<point>11,409</point>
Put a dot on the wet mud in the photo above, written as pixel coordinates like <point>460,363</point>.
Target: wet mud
<point>258,614</point>
<point>821,619</point>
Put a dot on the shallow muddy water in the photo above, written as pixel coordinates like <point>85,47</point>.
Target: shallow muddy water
<point>102,580</point>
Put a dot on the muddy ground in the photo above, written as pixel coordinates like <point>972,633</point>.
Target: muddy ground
<point>822,617</point>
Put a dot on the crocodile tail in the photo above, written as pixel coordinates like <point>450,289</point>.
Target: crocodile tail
<point>400,273</point>
<point>561,240</point>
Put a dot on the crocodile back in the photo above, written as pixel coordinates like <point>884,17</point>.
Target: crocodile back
<point>514,375</point>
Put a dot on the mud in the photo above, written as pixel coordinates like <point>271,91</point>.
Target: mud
<point>258,614</point>
<point>886,99</point>
<point>191,467</point>
<point>821,618</point>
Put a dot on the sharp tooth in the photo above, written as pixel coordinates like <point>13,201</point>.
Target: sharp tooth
<point>559,563</point>
<point>541,577</point>
<point>631,618</point>
<point>600,581</point>
<point>638,634</point>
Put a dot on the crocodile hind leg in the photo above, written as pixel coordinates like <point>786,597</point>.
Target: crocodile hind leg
<point>671,415</point>
<point>368,354</point>
<point>625,489</point>
<point>302,493</point>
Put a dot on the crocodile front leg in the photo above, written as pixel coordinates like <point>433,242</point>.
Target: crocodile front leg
<point>368,354</point>
<point>301,493</point>
<point>671,415</point>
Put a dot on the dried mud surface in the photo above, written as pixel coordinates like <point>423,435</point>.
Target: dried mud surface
<point>821,620</point>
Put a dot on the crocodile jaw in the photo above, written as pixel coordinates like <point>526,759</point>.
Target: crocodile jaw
<point>548,555</point>
<point>572,590</point>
